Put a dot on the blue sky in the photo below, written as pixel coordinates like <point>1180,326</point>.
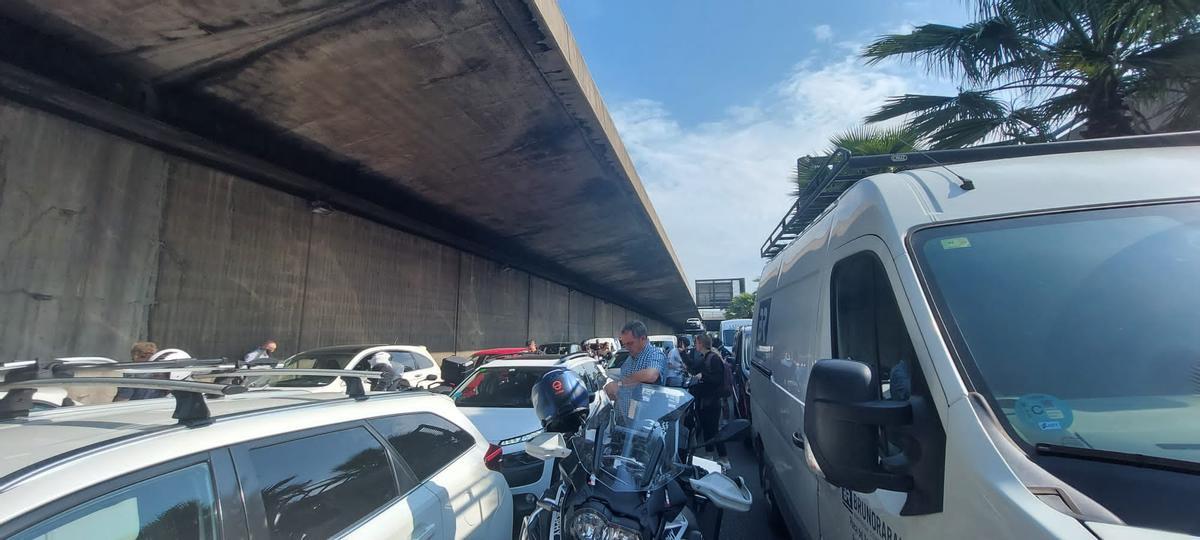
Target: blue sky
<point>716,99</point>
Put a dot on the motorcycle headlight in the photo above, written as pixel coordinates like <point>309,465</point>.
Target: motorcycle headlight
<point>588,525</point>
<point>614,532</point>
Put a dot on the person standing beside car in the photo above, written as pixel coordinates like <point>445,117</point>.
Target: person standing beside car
<point>142,351</point>
<point>262,354</point>
<point>710,370</point>
<point>646,364</point>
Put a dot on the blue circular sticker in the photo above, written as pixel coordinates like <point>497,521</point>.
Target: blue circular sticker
<point>1043,412</point>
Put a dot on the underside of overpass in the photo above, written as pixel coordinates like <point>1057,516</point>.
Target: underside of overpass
<point>160,160</point>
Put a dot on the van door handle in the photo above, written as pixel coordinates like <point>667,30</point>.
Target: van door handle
<point>798,440</point>
<point>762,369</point>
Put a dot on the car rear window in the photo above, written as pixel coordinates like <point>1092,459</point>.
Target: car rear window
<point>425,441</point>
<point>317,486</point>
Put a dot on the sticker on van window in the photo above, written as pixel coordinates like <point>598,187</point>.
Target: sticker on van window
<point>956,243</point>
<point>1043,412</point>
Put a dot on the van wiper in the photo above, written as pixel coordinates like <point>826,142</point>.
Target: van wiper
<point>1121,458</point>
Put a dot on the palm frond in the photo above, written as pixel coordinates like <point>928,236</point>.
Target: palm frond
<point>969,51</point>
<point>965,132</point>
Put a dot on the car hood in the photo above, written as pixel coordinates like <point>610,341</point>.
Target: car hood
<point>499,423</point>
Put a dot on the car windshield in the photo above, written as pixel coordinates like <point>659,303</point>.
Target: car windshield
<point>1080,327</point>
<point>499,387</point>
<point>556,348</point>
<point>639,438</point>
<point>308,360</point>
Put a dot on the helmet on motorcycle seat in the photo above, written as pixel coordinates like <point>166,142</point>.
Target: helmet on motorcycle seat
<point>560,400</point>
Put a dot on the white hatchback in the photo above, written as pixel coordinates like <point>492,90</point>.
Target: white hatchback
<point>419,369</point>
<point>496,397</point>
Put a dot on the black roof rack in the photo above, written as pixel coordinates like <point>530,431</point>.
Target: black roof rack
<point>841,170</point>
<point>22,379</point>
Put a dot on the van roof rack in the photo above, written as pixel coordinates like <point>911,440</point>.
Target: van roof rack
<point>21,379</point>
<point>841,170</point>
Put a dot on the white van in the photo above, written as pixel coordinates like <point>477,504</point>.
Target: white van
<point>729,328</point>
<point>1020,345</point>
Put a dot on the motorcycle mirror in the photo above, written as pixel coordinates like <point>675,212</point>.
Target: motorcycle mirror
<point>724,492</point>
<point>547,446</point>
<point>733,430</point>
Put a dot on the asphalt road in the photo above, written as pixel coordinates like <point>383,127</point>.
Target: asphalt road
<point>753,524</point>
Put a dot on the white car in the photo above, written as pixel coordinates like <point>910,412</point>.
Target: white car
<point>496,397</point>
<point>269,464</point>
<point>1001,345</point>
<point>664,342</point>
<point>419,368</point>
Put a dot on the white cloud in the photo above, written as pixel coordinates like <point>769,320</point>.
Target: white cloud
<point>719,187</point>
<point>823,32</point>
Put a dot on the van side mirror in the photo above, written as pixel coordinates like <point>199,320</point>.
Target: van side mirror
<point>842,422</point>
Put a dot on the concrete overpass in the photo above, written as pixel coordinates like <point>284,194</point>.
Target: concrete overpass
<point>160,162</point>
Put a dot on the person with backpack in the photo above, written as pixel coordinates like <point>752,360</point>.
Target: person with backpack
<point>709,392</point>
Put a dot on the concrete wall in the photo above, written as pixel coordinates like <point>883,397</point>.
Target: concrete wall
<point>104,242</point>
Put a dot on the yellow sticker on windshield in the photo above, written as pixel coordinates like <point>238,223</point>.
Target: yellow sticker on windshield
<point>956,243</point>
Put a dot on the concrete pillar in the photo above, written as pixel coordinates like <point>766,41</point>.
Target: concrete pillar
<point>493,305</point>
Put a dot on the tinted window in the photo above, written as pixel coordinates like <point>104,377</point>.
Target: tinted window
<point>178,504</point>
<point>427,442</point>
<point>422,361</point>
<point>404,358</point>
<point>317,486</point>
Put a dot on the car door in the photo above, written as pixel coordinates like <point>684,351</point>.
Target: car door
<point>870,322</point>
<point>434,450</point>
<point>192,497</point>
<point>335,481</point>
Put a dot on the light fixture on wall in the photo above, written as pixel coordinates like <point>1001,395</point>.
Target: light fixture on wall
<point>320,208</point>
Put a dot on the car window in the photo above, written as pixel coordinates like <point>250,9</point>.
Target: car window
<point>316,486</point>
<point>868,328</point>
<point>591,376</point>
<point>404,358</point>
<point>499,387</point>
<point>178,504</point>
<point>308,360</point>
<point>427,442</point>
<point>422,361</point>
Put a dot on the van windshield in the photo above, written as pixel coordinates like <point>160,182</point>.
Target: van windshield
<point>1083,328</point>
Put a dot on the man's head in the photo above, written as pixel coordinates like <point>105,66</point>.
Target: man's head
<point>531,345</point>
<point>142,351</point>
<point>633,337</point>
<point>269,346</point>
<point>703,342</point>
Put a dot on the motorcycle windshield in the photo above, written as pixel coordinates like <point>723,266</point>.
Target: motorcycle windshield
<point>633,445</point>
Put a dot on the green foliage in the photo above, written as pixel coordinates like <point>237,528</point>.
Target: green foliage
<point>1030,69</point>
<point>742,306</point>
<point>859,141</point>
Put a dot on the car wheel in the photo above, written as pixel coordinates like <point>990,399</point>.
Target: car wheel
<point>774,517</point>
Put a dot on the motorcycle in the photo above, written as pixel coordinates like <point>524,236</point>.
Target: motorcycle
<point>628,473</point>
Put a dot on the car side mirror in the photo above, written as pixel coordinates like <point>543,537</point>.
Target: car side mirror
<point>842,421</point>
<point>547,446</point>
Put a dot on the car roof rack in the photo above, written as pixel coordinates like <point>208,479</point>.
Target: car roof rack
<point>21,379</point>
<point>841,170</point>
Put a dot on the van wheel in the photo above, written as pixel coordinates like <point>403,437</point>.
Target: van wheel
<point>774,518</point>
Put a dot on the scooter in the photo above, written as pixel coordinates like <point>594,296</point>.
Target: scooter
<point>628,473</point>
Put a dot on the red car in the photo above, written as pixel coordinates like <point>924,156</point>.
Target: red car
<point>482,357</point>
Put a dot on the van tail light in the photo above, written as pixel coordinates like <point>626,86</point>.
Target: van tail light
<point>493,457</point>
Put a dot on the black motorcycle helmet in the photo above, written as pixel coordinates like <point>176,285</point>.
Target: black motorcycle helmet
<point>561,401</point>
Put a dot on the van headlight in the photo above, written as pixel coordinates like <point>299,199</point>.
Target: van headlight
<point>590,525</point>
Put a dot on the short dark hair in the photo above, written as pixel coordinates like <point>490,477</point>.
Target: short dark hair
<point>637,328</point>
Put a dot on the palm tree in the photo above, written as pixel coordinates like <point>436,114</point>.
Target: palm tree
<point>1030,68</point>
<point>861,140</point>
